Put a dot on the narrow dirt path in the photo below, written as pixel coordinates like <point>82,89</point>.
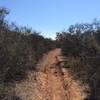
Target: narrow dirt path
<point>53,81</point>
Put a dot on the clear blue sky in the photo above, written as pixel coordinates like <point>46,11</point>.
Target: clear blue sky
<point>50,16</point>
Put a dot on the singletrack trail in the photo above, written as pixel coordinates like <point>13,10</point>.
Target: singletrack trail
<point>53,81</point>
<point>56,82</point>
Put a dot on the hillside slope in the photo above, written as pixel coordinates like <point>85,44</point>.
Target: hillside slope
<point>51,82</point>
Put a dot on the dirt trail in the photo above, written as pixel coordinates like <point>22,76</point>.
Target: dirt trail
<point>56,83</point>
<point>53,81</point>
